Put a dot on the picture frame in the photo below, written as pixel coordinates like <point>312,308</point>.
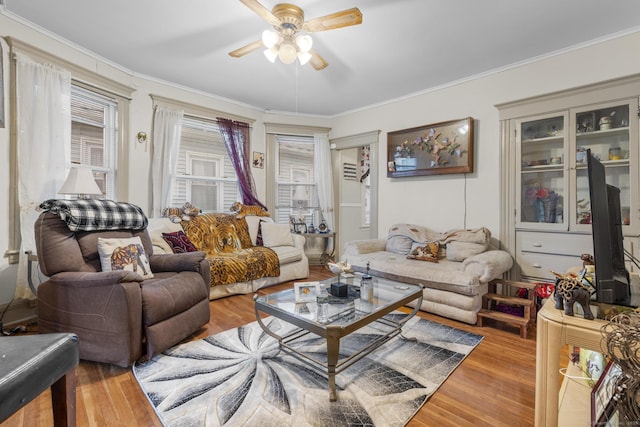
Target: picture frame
<point>258,160</point>
<point>306,291</point>
<point>435,149</point>
<point>586,122</point>
<point>603,405</point>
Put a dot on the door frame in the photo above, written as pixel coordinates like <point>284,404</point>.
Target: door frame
<point>345,143</point>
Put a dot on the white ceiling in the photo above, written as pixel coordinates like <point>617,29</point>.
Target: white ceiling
<point>401,48</point>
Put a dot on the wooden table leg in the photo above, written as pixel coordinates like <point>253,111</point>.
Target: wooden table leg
<point>63,399</point>
<point>333,351</point>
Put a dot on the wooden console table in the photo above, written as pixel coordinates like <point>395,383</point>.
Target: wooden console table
<point>554,331</point>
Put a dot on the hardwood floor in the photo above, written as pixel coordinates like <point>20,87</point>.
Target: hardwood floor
<point>494,386</point>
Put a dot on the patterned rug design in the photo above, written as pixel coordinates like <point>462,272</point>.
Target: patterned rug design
<point>241,378</point>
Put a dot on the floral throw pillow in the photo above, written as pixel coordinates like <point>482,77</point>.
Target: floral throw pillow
<point>179,242</point>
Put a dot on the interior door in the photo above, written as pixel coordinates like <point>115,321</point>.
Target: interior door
<point>355,195</point>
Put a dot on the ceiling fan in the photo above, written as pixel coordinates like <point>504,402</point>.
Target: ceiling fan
<point>289,40</point>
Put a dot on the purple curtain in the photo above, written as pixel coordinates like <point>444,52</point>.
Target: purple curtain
<point>236,139</point>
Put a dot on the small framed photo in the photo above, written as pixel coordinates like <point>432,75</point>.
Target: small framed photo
<point>603,405</point>
<point>306,291</point>
<point>258,160</point>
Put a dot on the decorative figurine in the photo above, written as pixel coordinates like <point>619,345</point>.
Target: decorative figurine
<point>569,290</point>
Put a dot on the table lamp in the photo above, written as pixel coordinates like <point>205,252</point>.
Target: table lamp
<point>81,182</point>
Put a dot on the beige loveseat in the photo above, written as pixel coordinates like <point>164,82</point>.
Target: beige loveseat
<point>289,248</point>
<point>454,285</point>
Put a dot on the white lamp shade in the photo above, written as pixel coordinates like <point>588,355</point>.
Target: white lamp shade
<point>304,43</point>
<point>80,181</point>
<point>287,53</point>
<point>304,57</point>
<point>271,54</point>
<point>270,38</point>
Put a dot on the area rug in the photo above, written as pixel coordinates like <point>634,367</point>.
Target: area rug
<point>241,378</point>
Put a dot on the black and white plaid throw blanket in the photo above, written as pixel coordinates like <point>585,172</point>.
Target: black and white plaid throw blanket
<point>97,215</point>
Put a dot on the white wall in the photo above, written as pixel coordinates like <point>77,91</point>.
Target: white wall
<point>438,202</point>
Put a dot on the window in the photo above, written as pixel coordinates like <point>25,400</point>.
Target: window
<point>296,192</point>
<point>205,175</point>
<point>93,136</point>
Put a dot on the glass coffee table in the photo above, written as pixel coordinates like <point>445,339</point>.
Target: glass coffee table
<point>345,315</point>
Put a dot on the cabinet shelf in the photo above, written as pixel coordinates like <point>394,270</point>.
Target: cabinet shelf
<point>542,168</point>
<point>596,134</point>
<point>608,164</point>
<point>556,138</point>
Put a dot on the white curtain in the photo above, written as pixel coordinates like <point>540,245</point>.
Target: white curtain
<point>44,142</point>
<point>167,130</point>
<point>324,177</point>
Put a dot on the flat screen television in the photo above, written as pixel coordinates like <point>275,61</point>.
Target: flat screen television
<point>613,285</point>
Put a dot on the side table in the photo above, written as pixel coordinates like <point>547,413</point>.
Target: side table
<point>326,254</point>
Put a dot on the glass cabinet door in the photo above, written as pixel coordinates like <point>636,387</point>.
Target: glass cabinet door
<point>542,152</point>
<point>606,130</point>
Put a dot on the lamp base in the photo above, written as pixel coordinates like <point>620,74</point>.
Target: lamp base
<point>340,290</point>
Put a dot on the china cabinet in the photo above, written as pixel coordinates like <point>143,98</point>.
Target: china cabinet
<point>546,208</point>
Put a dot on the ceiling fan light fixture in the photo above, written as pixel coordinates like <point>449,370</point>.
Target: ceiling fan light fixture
<point>304,57</point>
<point>270,38</point>
<point>304,42</point>
<point>287,53</point>
<point>271,54</point>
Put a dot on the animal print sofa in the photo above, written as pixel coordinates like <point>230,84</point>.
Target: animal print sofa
<point>245,254</point>
<point>454,276</point>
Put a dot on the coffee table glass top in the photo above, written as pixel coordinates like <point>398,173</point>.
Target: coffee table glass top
<point>341,311</point>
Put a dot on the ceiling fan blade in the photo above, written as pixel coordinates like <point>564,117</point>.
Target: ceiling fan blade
<point>262,12</point>
<point>345,18</point>
<point>317,61</point>
<point>247,49</point>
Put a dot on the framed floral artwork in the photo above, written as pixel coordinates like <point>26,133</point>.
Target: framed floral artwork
<point>440,148</point>
<point>258,160</point>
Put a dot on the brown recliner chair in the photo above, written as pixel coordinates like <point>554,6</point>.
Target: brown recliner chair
<point>118,317</point>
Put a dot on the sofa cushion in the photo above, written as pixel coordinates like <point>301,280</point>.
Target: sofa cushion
<point>288,254</point>
<point>156,227</point>
<point>402,237</point>
<point>169,294</point>
<point>459,251</point>
<point>179,242</point>
<point>276,235</point>
<point>255,230</point>
<point>124,254</point>
<point>399,244</point>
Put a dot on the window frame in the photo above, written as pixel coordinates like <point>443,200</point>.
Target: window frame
<point>189,177</point>
<point>110,138</point>
<point>309,213</point>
